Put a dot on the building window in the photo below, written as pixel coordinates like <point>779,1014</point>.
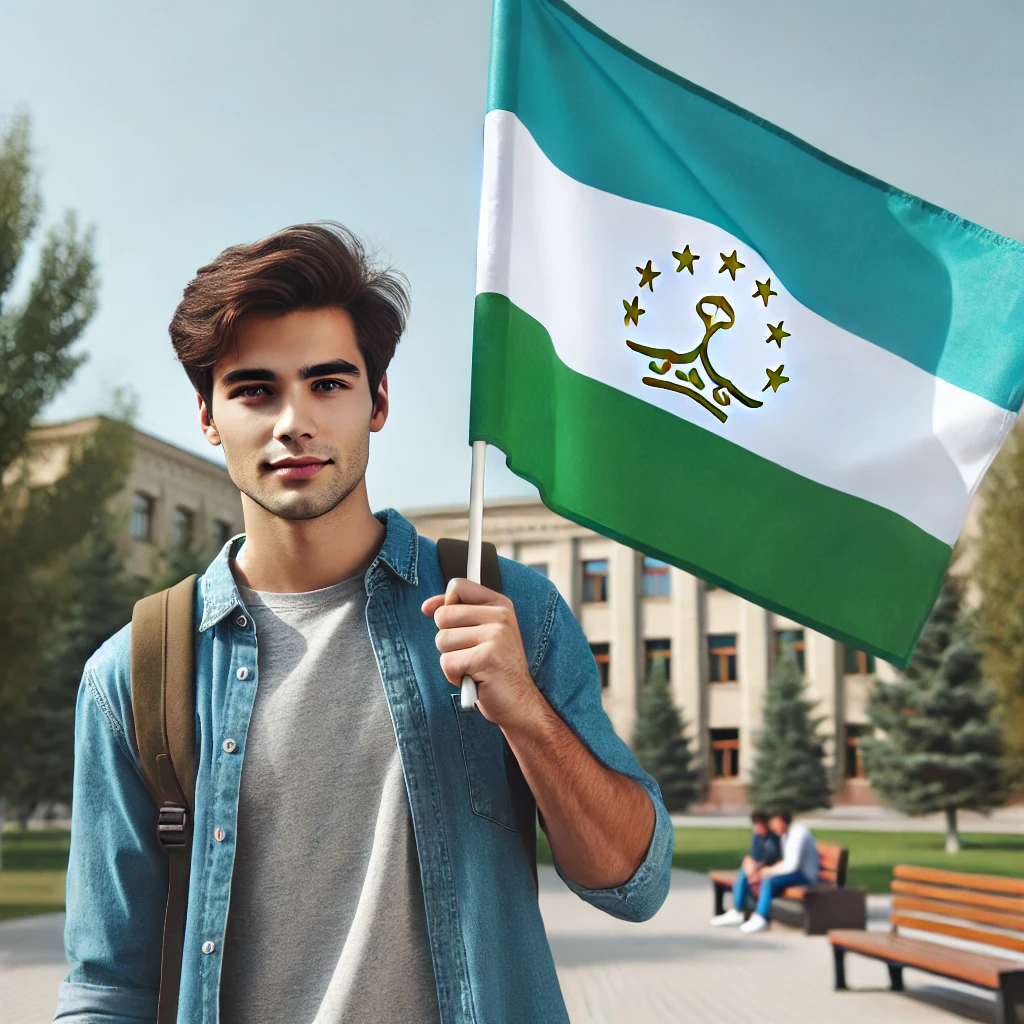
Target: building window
<point>221,532</point>
<point>655,651</point>
<point>725,753</point>
<point>183,527</point>
<point>656,578</point>
<point>140,525</point>
<point>603,659</point>
<point>790,638</point>
<point>540,567</point>
<point>854,768</point>
<point>595,580</point>
<point>722,655</point>
<point>859,663</point>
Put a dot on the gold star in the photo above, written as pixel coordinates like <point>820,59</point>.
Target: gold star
<point>764,289</point>
<point>633,311</point>
<point>775,379</point>
<point>686,260</point>
<point>647,276</point>
<point>730,263</point>
<point>777,333</point>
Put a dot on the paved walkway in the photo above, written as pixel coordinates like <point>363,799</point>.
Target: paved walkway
<point>672,969</point>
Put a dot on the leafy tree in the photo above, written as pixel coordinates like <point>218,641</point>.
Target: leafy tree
<point>96,601</point>
<point>1000,575</point>
<point>788,773</point>
<point>40,523</point>
<point>939,748</point>
<point>660,742</point>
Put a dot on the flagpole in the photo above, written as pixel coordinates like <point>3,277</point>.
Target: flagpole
<point>476,530</point>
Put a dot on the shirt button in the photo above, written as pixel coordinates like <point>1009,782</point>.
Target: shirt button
<point>242,673</point>
<point>219,834</point>
<point>208,947</point>
<point>230,746</point>
<point>242,621</point>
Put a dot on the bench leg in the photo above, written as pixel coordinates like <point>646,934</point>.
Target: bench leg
<point>838,958</point>
<point>1011,991</point>
<point>895,977</point>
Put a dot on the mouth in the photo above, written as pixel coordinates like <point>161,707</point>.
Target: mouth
<point>298,469</point>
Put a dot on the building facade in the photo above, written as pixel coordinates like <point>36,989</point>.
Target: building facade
<point>719,649</point>
<point>170,496</point>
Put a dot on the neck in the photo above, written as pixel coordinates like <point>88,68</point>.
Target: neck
<point>295,556</point>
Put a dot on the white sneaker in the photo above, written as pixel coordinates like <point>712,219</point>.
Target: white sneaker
<point>729,919</point>
<point>756,924</point>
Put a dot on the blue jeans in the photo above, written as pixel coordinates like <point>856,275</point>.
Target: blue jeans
<point>770,887</point>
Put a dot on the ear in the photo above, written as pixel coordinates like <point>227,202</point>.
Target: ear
<point>206,421</point>
<point>380,406</point>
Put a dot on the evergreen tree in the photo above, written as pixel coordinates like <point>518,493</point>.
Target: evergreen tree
<point>999,573</point>
<point>660,743</point>
<point>788,773</point>
<point>939,748</point>
<point>97,598</point>
<point>181,559</point>
<point>40,525</point>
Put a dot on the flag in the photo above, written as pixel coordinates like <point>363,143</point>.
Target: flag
<point>702,337</point>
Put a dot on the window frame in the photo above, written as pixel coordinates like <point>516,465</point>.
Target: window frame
<point>654,653</point>
<point>138,513</point>
<point>729,749</point>
<point>726,657</point>
<point>799,646</point>
<point>657,579</point>
<point>603,660</point>
<point>592,579</point>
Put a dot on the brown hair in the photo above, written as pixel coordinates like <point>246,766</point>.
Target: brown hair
<point>306,266</point>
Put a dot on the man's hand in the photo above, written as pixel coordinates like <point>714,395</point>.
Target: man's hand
<point>478,635</point>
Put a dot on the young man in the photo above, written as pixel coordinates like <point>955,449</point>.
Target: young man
<point>797,866</point>
<point>365,864</point>
<point>764,851</point>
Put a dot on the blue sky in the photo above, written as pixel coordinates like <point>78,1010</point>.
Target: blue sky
<point>178,129</point>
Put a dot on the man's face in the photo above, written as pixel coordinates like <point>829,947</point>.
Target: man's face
<point>760,828</point>
<point>778,825</point>
<point>293,410</point>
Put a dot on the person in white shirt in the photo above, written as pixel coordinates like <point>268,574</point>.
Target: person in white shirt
<point>798,866</point>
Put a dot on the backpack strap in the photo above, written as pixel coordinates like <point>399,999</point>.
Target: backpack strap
<point>453,556</point>
<point>163,708</point>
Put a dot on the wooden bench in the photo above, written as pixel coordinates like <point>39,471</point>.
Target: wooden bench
<point>828,904</point>
<point>952,904</point>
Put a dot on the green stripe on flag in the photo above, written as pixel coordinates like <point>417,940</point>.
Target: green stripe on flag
<point>941,292</point>
<point>653,481</point>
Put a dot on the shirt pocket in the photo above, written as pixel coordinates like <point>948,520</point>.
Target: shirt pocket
<point>483,750</point>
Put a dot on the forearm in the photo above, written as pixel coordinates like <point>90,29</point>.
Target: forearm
<point>599,822</point>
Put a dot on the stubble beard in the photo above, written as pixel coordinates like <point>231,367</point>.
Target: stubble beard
<point>308,499</point>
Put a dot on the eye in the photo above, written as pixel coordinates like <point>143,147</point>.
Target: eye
<point>252,391</point>
<point>328,386</point>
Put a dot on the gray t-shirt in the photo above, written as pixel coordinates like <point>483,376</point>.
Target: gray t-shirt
<point>326,922</point>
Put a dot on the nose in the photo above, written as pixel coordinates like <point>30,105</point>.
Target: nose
<point>295,422</point>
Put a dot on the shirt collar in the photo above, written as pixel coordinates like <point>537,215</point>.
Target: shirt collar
<point>399,552</point>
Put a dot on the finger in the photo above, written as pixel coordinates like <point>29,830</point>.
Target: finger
<point>463,591</point>
<point>456,664</point>
<point>452,616</point>
<point>432,604</point>
<point>463,638</point>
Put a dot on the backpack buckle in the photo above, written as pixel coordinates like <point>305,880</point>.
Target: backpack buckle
<point>171,827</point>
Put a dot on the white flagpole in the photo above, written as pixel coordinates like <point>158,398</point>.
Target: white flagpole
<point>476,530</point>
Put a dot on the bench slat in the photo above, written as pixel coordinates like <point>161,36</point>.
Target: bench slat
<point>975,968</point>
<point>962,896</point>
<point>960,879</point>
<point>958,931</point>
<point>1013,922</point>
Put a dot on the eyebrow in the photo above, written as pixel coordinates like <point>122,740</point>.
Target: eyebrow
<point>335,367</point>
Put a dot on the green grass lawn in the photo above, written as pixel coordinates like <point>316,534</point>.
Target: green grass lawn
<point>872,854</point>
<point>32,881</point>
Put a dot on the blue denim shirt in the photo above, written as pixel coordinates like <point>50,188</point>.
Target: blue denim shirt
<point>491,958</point>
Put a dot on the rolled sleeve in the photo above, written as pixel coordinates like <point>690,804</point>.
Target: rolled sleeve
<point>568,677</point>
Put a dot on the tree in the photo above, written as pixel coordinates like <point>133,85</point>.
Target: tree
<point>1000,576</point>
<point>788,773</point>
<point>96,601</point>
<point>40,525</point>
<point>938,748</point>
<point>660,743</point>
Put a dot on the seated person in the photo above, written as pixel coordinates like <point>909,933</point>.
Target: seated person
<point>798,866</point>
<point>764,847</point>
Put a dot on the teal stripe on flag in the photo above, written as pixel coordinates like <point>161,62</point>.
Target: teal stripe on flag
<point>937,290</point>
